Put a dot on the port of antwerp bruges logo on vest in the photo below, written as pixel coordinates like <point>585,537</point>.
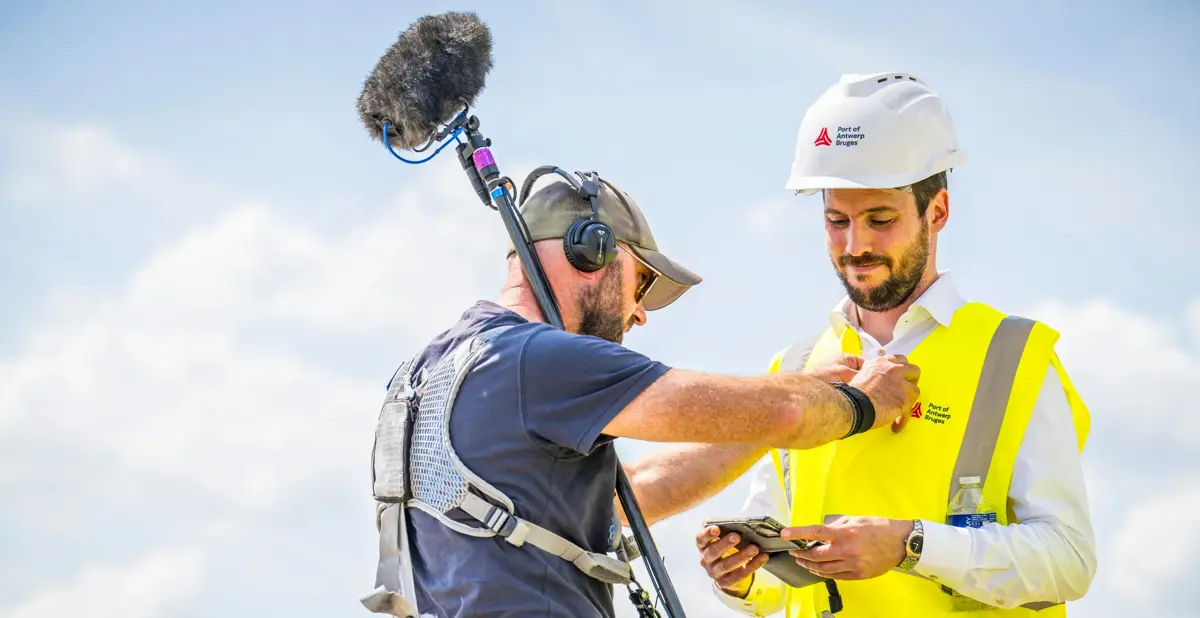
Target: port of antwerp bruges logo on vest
<point>846,136</point>
<point>932,413</point>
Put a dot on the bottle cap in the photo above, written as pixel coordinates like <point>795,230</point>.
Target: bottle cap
<point>968,480</point>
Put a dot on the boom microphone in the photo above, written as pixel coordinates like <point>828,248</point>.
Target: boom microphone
<point>434,70</point>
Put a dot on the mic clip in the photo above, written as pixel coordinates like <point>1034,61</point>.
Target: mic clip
<point>461,121</point>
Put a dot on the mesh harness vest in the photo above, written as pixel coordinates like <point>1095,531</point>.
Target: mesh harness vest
<point>414,465</point>
<point>980,378</point>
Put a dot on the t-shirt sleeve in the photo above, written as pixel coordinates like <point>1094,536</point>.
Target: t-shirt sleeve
<point>573,385</point>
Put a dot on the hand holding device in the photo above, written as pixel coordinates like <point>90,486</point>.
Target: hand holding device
<point>747,544</point>
<point>857,548</point>
<point>728,559</point>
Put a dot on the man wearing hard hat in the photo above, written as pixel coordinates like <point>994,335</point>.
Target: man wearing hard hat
<point>996,403</point>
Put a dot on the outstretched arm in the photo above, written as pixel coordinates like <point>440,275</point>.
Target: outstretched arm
<point>678,478</point>
<point>783,410</point>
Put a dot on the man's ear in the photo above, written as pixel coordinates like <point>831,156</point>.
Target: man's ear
<point>939,210</point>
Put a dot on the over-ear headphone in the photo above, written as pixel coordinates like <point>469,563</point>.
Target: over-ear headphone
<point>589,243</point>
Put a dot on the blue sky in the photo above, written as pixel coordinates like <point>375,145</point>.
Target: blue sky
<point>209,268</point>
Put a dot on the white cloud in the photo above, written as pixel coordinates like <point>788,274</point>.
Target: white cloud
<point>153,586</point>
<point>159,376</point>
<point>1133,370</point>
<point>178,398</point>
<point>1193,322</point>
<point>76,162</point>
<point>412,265</point>
<point>1158,551</point>
<point>195,380</point>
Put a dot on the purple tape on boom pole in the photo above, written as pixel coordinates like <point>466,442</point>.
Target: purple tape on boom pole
<point>483,158</point>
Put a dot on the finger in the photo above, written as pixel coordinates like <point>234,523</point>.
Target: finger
<point>899,424</point>
<point>899,359</point>
<point>844,374</point>
<point>707,536</point>
<point>716,550</point>
<point>851,361</point>
<point>834,570</point>
<point>720,548</point>
<point>730,579</point>
<point>821,553</point>
<point>736,561</point>
<point>808,533</point>
<point>912,373</point>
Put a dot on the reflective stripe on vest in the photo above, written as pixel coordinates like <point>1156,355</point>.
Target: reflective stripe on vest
<point>985,363</point>
<point>991,400</point>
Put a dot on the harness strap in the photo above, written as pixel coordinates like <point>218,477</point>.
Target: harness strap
<point>518,531</point>
<point>391,519</point>
<point>394,566</point>
<point>416,417</point>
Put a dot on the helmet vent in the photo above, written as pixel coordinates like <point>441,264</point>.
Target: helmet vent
<point>899,77</point>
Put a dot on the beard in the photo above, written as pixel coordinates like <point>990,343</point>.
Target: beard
<point>600,308</point>
<point>901,282</point>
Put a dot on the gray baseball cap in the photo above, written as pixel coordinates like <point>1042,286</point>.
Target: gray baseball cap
<point>550,210</point>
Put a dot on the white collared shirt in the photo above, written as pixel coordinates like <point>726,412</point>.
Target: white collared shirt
<point>1048,556</point>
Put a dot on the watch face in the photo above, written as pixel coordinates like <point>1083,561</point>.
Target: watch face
<point>916,543</point>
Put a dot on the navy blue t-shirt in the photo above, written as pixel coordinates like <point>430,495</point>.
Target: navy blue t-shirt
<point>528,420</point>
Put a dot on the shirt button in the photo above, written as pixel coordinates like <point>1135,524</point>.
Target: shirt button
<point>881,351</point>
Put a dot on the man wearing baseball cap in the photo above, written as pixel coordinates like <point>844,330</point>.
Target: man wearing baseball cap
<point>549,214</point>
<point>529,413</point>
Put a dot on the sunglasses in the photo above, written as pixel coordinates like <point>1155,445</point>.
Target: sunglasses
<point>645,281</point>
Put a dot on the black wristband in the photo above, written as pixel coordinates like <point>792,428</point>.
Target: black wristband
<point>864,410</point>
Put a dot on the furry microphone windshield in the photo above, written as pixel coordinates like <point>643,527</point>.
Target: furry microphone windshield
<point>425,78</point>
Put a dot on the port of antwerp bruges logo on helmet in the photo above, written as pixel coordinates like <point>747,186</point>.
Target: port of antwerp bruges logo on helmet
<point>846,136</point>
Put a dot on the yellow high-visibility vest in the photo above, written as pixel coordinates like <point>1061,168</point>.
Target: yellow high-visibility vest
<point>980,378</point>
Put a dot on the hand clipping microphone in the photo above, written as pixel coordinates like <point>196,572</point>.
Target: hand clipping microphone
<point>421,92</point>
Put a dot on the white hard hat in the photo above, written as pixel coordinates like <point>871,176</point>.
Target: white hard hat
<point>877,131</point>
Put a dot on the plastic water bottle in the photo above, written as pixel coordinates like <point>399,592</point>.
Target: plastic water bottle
<point>969,510</point>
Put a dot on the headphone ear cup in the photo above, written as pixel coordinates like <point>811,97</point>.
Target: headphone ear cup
<point>589,245</point>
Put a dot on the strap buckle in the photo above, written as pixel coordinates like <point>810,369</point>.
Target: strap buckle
<point>627,549</point>
<point>501,522</point>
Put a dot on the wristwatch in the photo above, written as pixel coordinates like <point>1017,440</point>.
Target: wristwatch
<point>913,546</point>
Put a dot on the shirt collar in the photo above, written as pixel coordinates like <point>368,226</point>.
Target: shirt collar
<point>940,302</point>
